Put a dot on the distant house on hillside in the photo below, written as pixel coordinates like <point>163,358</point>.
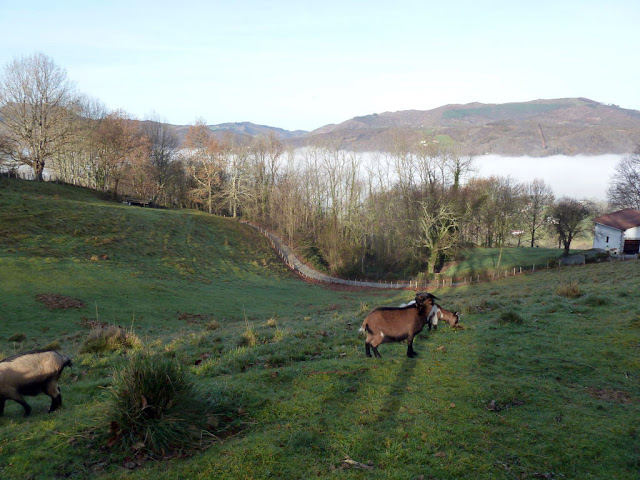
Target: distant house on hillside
<point>618,232</point>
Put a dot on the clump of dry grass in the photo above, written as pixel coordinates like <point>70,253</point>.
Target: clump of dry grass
<point>108,338</point>
<point>272,323</point>
<point>249,337</point>
<point>364,308</point>
<point>569,289</point>
<point>212,325</point>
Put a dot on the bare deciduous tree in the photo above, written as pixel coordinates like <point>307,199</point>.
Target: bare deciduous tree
<point>120,146</point>
<point>568,216</point>
<point>438,227</point>
<point>624,191</point>
<point>205,164</point>
<point>502,206</point>
<point>236,190</point>
<point>37,104</point>
<point>265,159</point>
<point>76,162</point>
<point>539,197</point>
<point>164,144</point>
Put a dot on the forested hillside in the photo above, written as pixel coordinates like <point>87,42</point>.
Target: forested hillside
<point>567,126</point>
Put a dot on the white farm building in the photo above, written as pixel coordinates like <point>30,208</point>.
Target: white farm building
<point>618,232</point>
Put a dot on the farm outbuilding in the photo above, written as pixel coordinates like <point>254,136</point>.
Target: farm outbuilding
<point>618,232</point>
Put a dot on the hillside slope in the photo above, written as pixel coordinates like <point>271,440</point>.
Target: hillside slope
<point>538,384</point>
<point>538,128</point>
<point>65,240</point>
<point>244,131</point>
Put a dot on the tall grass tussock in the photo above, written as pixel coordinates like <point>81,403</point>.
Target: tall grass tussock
<point>156,406</point>
<point>109,338</point>
<point>569,289</point>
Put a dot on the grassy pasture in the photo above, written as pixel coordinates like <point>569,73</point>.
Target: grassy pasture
<point>478,261</point>
<point>537,385</point>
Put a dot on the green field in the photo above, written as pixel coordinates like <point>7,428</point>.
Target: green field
<point>480,261</point>
<point>537,384</point>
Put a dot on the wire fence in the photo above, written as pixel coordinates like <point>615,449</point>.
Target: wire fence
<point>304,270</point>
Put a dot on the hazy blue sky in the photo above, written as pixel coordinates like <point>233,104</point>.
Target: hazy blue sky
<point>301,65</point>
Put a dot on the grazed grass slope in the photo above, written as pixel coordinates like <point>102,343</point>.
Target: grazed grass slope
<point>554,395</point>
<point>156,268</point>
<point>479,261</point>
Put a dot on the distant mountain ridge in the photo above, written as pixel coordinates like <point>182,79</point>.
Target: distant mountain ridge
<point>248,128</point>
<point>568,126</point>
<point>244,130</point>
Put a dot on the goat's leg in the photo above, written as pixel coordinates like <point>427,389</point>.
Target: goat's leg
<point>2,405</point>
<point>375,341</point>
<point>367,349</point>
<point>410,352</point>
<point>25,405</point>
<point>55,403</point>
<point>16,397</point>
<point>53,390</point>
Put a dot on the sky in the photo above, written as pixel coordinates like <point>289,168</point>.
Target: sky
<point>297,64</point>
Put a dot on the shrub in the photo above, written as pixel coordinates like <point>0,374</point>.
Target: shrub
<point>569,289</point>
<point>108,338</point>
<point>155,406</point>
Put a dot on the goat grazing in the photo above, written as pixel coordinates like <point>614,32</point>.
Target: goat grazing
<point>31,373</point>
<point>439,313</point>
<point>394,324</point>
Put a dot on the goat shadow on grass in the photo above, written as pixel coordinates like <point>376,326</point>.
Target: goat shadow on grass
<point>392,404</point>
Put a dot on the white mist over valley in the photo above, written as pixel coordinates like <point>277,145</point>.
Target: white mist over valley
<point>579,176</point>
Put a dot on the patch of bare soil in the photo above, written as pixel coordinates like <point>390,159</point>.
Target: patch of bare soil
<point>610,395</point>
<point>59,302</point>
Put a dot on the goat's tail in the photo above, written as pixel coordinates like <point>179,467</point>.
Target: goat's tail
<point>364,329</point>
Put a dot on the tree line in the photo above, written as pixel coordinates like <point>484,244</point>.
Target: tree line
<point>402,211</point>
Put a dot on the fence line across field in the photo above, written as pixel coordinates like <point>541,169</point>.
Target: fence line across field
<point>304,270</point>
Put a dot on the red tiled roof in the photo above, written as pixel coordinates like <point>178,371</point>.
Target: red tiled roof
<point>622,219</point>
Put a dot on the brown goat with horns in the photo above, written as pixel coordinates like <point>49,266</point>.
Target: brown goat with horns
<point>394,324</point>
